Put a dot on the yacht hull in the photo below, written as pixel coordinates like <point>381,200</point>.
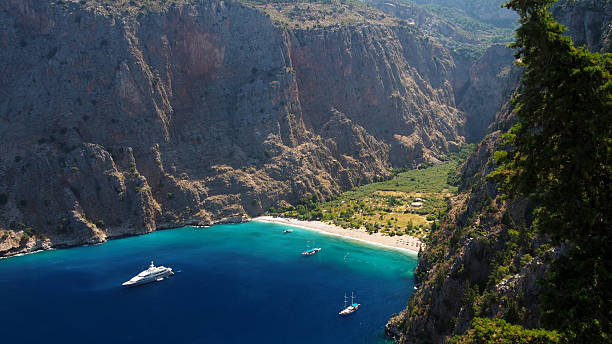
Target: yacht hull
<point>154,277</point>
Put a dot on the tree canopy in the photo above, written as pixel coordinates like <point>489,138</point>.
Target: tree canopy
<point>498,331</point>
<point>559,154</point>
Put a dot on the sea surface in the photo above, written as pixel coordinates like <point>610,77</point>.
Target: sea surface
<point>244,283</point>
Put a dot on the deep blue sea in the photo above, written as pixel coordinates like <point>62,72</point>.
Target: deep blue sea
<point>245,283</point>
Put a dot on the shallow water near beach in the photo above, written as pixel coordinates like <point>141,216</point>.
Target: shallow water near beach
<point>237,284</point>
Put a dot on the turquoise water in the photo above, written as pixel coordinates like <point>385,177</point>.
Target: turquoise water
<point>237,284</point>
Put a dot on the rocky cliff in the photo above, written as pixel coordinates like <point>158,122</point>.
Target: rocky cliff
<point>488,11</point>
<point>478,83</point>
<point>119,118</point>
<point>589,22</point>
<point>485,260</point>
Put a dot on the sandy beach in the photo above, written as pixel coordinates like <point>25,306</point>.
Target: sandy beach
<point>404,242</point>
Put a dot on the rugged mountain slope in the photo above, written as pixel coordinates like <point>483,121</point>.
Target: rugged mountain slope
<point>477,82</point>
<point>487,11</point>
<point>120,118</point>
<point>485,261</point>
<point>590,22</point>
<point>481,262</point>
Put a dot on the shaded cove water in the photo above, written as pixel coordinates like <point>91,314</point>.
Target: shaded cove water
<point>237,284</point>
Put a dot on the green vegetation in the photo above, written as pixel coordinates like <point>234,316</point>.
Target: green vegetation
<point>500,332</point>
<point>561,158</point>
<point>28,232</point>
<point>309,15</point>
<point>480,35</point>
<point>114,7</point>
<point>476,24</point>
<point>387,206</point>
<point>487,11</point>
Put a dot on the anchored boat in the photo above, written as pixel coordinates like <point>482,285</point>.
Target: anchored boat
<point>349,309</point>
<point>310,251</point>
<point>152,274</point>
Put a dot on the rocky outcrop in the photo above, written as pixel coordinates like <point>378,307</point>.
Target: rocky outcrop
<point>479,87</point>
<point>118,119</point>
<point>589,22</point>
<point>490,82</point>
<point>488,11</point>
<point>484,260</point>
<point>474,265</point>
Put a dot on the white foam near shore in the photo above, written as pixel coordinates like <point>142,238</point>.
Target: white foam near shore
<point>27,253</point>
<point>404,243</point>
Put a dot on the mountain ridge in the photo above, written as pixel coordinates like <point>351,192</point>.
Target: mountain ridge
<point>200,111</point>
<point>487,260</point>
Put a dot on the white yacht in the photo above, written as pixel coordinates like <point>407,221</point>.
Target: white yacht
<point>350,309</point>
<point>152,274</point>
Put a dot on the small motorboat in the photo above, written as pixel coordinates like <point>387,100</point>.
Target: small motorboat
<point>288,231</point>
<point>311,251</point>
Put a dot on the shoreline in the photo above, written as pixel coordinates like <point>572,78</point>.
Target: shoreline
<point>406,243</point>
<point>403,243</point>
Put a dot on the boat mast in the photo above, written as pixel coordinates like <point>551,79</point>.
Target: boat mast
<point>352,299</point>
<point>345,300</point>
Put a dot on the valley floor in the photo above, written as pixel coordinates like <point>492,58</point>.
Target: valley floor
<point>404,242</point>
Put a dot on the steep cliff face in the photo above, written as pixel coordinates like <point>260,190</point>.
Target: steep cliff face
<point>488,85</point>
<point>485,260</point>
<point>590,22</point>
<point>477,83</point>
<point>119,119</point>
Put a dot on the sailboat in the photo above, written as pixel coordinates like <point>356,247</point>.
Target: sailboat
<point>310,251</point>
<point>349,309</point>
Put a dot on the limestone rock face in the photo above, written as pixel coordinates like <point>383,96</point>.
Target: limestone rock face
<point>462,254</point>
<point>487,87</point>
<point>589,22</point>
<point>118,119</point>
<point>477,86</point>
<point>488,11</point>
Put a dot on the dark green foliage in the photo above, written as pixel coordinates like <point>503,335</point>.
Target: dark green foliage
<point>25,238</point>
<point>500,332</point>
<point>27,232</point>
<point>560,156</point>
